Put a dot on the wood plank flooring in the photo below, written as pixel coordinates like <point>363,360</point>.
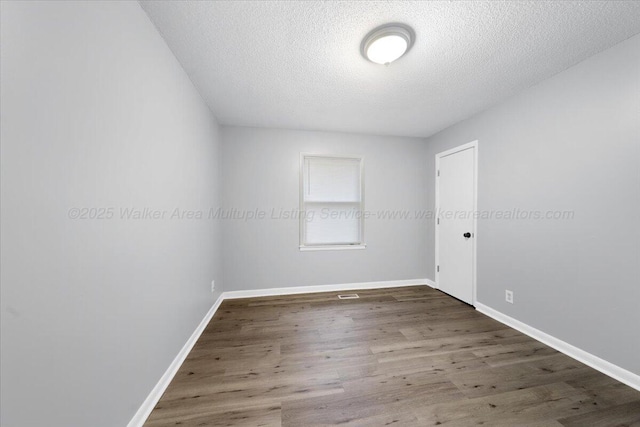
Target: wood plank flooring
<point>403,356</point>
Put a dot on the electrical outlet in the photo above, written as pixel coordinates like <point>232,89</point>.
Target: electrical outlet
<point>213,285</point>
<point>508,296</point>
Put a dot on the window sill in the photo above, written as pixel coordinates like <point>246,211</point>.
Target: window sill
<point>332,248</point>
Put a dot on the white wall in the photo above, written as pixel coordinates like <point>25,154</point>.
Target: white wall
<point>261,172</point>
<point>96,112</point>
<point>570,143</point>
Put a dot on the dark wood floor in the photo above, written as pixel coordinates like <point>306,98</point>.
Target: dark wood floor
<point>405,356</point>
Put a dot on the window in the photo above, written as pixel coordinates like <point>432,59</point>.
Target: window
<point>331,202</point>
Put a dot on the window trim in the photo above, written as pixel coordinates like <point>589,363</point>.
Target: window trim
<point>330,246</point>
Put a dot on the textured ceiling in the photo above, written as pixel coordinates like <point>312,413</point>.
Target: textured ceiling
<point>297,64</point>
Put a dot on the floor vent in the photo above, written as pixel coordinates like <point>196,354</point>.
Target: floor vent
<point>348,296</point>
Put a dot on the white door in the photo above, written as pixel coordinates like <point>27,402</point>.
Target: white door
<point>455,221</point>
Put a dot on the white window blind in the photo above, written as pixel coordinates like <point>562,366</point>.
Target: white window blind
<point>332,202</point>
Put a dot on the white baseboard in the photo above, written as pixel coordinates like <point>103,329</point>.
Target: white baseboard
<point>326,288</point>
<point>152,399</point>
<point>607,368</point>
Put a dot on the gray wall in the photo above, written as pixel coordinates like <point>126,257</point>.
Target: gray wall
<point>96,112</point>
<point>569,143</point>
<point>261,171</point>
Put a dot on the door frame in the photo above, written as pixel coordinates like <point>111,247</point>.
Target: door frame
<point>474,145</point>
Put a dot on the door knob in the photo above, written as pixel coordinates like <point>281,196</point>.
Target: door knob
<point>467,235</point>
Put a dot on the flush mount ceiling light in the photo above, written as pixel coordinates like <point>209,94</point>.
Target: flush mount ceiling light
<point>386,43</point>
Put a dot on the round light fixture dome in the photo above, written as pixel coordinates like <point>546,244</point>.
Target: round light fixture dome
<point>387,43</point>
